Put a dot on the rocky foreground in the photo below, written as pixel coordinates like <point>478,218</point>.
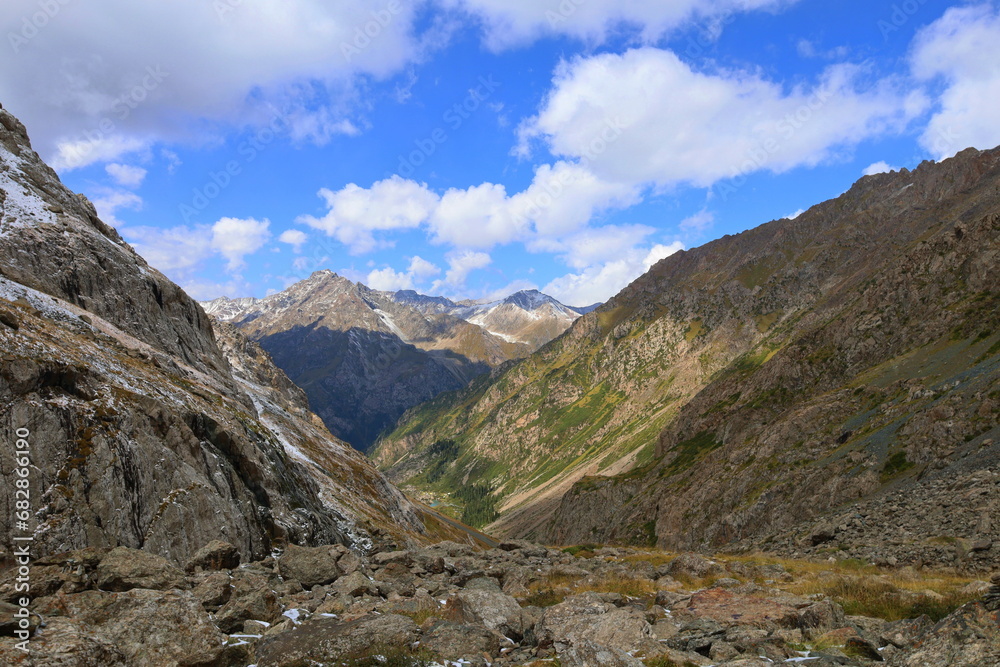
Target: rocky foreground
<point>519,604</point>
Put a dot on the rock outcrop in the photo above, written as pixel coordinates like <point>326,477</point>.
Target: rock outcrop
<point>143,432</point>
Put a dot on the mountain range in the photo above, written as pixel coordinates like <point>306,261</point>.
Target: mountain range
<point>365,356</point>
<point>815,401</point>
<point>754,390</point>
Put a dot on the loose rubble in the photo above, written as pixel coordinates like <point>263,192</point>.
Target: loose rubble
<point>448,605</point>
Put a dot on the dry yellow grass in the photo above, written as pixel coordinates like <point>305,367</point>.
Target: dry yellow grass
<point>554,588</point>
<point>860,587</point>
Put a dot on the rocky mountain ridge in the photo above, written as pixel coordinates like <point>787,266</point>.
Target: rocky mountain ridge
<point>751,386</point>
<point>527,317</point>
<point>365,356</point>
<point>144,431</point>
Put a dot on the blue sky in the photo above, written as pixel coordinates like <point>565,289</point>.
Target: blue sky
<point>474,147</point>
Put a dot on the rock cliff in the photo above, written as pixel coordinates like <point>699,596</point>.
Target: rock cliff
<point>143,431</point>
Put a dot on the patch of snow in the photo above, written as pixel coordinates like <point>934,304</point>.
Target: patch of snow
<point>387,319</point>
<point>23,207</point>
<point>506,337</point>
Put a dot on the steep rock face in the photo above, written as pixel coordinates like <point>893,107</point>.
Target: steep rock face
<point>141,432</point>
<point>347,482</point>
<point>749,384</point>
<point>52,240</point>
<point>888,381</point>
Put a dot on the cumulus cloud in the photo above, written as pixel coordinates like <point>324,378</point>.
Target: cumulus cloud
<point>962,49</point>
<point>180,252</point>
<point>476,217</point>
<point>175,251</point>
<point>127,176</point>
<point>564,197</point>
<point>460,264</point>
<point>645,116</point>
<point>421,269</point>
<point>295,238</point>
<point>83,83</point>
<point>108,201</point>
<point>698,222</point>
<point>602,281</point>
<point>234,238</point>
<point>513,22</point>
<point>561,199</point>
<point>595,245</point>
<point>880,167</point>
<point>355,213</point>
<point>389,280</point>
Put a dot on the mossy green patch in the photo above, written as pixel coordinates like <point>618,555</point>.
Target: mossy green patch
<point>689,451</point>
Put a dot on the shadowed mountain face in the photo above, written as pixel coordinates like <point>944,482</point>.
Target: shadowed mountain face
<point>364,357</point>
<point>750,388</point>
<point>146,430</point>
<point>362,381</point>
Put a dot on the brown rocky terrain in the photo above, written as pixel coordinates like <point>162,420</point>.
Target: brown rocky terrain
<point>145,432</point>
<point>519,604</point>
<point>755,389</point>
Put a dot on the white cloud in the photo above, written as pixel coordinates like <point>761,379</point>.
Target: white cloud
<point>962,48</point>
<point>175,251</point>
<point>460,264</point>
<point>595,245</point>
<point>391,280</point>
<point>181,252</point>
<point>234,238</point>
<point>86,74</point>
<point>125,175</point>
<point>108,201</point>
<point>880,167</point>
<point>476,217</point>
<point>645,116</point>
<point>421,269</point>
<point>70,154</point>
<point>294,237</point>
<point>602,281</point>
<point>172,159</point>
<point>388,280</point>
<point>562,199</point>
<point>792,216</point>
<point>698,222</point>
<point>355,212</point>
<point>513,22</point>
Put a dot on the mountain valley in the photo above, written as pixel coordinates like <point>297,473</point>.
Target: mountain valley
<point>364,356</point>
<point>744,393</point>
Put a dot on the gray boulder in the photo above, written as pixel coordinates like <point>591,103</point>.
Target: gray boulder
<point>123,569</point>
<point>216,555</point>
<point>310,566</point>
<point>328,639</point>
